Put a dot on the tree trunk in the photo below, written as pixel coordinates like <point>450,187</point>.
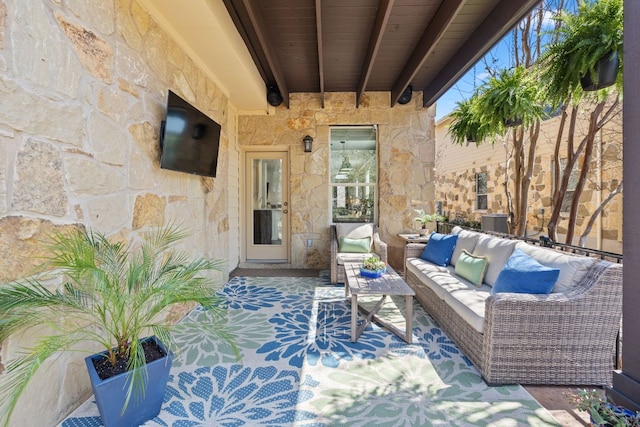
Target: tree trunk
<point>552,225</point>
<point>584,171</point>
<point>518,176</point>
<point>598,211</point>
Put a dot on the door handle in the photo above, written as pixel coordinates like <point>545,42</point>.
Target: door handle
<point>285,211</point>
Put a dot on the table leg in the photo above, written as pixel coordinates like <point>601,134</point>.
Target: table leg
<point>409,321</point>
<point>354,317</point>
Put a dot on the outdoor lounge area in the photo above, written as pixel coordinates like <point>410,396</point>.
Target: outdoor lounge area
<point>267,132</point>
<point>299,367</point>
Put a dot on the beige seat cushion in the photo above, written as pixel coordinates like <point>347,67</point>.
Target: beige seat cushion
<point>454,290</point>
<point>497,251</point>
<point>469,303</point>
<point>572,268</point>
<point>466,240</point>
<point>355,231</point>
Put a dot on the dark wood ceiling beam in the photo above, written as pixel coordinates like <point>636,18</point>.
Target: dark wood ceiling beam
<point>320,50</point>
<point>432,34</point>
<point>259,26</point>
<point>237,12</point>
<point>384,11</point>
<point>501,19</point>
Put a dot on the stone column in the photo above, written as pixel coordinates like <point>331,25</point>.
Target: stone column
<point>626,382</point>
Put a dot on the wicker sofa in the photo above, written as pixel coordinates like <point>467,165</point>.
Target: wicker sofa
<point>355,231</point>
<point>566,337</point>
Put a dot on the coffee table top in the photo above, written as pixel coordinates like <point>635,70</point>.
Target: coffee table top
<point>390,283</point>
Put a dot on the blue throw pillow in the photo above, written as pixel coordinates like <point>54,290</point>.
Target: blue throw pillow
<point>439,249</point>
<point>524,275</point>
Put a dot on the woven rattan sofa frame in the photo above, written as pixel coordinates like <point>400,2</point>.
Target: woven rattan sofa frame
<point>564,338</point>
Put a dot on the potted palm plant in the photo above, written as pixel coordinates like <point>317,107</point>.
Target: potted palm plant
<point>588,50</point>
<point>112,295</point>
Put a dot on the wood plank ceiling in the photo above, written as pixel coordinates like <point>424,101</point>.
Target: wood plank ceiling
<point>370,45</point>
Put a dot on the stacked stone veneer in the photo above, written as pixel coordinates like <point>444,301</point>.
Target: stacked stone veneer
<point>406,141</point>
<point>457,167</point>
<point>83,85</point>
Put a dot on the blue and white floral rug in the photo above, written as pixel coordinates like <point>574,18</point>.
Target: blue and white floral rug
<point>300,368</point>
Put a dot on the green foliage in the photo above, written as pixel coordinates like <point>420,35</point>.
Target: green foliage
<point>424,218</point>
<point>374,263</point>
<point>113,294</point>
<point>603,412</point>
<point>583,38</point>
<point>512,94</point>
<point>466,125</point>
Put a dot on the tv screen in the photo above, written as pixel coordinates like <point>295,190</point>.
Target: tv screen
<point>189,140</point>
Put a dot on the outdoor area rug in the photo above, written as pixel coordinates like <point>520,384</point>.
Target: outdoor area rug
<point>300,368</point>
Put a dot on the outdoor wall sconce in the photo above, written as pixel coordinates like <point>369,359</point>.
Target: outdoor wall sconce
<point>307,141</point>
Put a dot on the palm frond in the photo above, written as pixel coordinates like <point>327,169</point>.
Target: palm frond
<point>113,292</point>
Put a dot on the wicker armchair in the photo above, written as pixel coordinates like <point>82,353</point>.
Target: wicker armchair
<point>360,230</point>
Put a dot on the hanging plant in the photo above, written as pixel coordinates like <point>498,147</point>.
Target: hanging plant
<point>512,97</point>
<point>585,38</point>
<point>466,125</point>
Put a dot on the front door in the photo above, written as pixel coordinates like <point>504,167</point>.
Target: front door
<point>267,207</point>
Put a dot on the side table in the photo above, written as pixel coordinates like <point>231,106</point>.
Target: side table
<point>410,238</point>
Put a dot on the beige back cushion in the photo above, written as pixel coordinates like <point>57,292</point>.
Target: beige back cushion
<point>572,268</point>
<point>355,231</point>
<point>497,251</point>
<point>466,240</point>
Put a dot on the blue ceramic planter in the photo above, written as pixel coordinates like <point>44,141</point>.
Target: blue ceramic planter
<point>364,272</point>
<point>111,393</point>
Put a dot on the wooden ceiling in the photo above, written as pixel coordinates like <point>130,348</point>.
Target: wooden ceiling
<point>370,45</point>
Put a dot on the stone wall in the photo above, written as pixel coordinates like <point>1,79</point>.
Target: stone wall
<point>406,159</point>
<point>83,85</point>
<point>457,166</point>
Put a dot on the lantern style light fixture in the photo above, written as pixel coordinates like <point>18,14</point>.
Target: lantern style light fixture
<point>307,141</point>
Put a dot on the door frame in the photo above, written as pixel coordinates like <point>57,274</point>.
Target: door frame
<point>243,196</point>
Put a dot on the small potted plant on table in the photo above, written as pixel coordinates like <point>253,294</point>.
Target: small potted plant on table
<point>373,267</point>
<point>112,295</point>
<point>424,218</point>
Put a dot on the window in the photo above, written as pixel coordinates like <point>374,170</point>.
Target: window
<point>353,173</point>
<point>481,191</point>
<point>571,186</point>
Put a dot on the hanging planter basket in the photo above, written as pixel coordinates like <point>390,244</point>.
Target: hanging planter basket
<point>607,72</point>
<point>512,122</point>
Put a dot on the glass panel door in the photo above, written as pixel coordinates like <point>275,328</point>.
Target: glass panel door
<point>267,207</point>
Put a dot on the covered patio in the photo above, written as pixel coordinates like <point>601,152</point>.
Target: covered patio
<point>84,88</point>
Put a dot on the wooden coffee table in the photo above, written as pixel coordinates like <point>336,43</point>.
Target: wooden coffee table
<point>389,283</point>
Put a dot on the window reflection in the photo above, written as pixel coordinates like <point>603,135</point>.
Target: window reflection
<point>353,174</point>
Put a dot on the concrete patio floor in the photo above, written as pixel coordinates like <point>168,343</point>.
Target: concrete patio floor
<point>556,399</point>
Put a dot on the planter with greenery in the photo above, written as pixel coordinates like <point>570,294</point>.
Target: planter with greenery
<point>513,97</point>
<point>424,219</point>
<point>466,125</point>
<point>604,413</point>
<point>584,39</point>
<point>112,295</point>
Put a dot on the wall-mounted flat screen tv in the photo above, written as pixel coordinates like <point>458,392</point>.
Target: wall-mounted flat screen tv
<point>189,140</point>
